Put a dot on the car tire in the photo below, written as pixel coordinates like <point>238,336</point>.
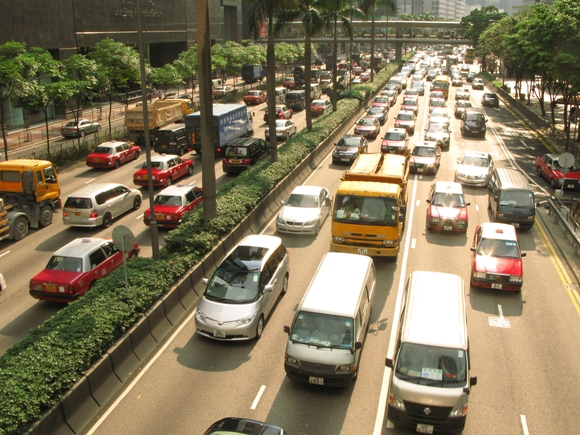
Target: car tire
<point>137,155</point>
<point>117,164</point>
<point>259,327</point>
<point>285,285</point>
<point>107,220</point>
<point>180,151</point>
<point>133,254</point>
<point>45,216</point>
<point>169,182</point>
<point>190,171</point>
<point>20,228</point>
<point>98,128</point>
<point>82,134</point>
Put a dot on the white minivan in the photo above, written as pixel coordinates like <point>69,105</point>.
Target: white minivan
<point>430,383</point>
<point>329,329</point>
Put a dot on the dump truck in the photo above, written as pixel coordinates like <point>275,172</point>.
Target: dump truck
<point>29,195</point>
<point>251,73</point>
<point>369,209</point>
<point>160,113</point>
<point>230,121</point>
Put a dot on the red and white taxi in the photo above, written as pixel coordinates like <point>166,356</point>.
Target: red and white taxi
<point>165,169</point>
<point>288,82</point>
<point>368,126</point>
<point>75,267</point>
<point>172,203</point>
<point>447,208</point>
<point>255,97</point>
<point>282,112</point>
<point>319,107</point>
<point>497,258</point>
<point>549,168</point>
<point>396,141</point>
<point>112,154</point>
<point>381,101</point>
<point>425,158</point>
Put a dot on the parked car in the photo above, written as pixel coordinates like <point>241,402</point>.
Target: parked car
<point>396,141</point>
<point>406,119</point>
<point>285,129</point>
<point>460,107</point>
<point>165,169</point>
<point>379,112</point>
<point>497,258</point>
<point>98,204</point>
<point>243,426</point>
<point>305,210</point>
<point>475,168</point>
<point>368,126</point>
<point>489,99</point>
<point>439,133</point>
<point>548,167</point>
<point>242,153</point>
<point>282,112</point>
<point>425,158</point>
<point>320,107</point>
<point>74,269</point>
<point>244,289</point>
<point>477,84</point>
<point>348,148</point>
<point>80,128</point>
<point>447,208</point>
<point>172,203</point>
<point>112,154</point>
<point>255,97</point>
<point>222,91</point>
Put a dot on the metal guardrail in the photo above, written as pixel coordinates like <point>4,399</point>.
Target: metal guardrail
<point>564,218</point>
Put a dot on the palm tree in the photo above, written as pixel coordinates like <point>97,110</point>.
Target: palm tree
<point>345,12</point>
<point>313,23</point>
<point>260,13</point>
<point>370,4</point>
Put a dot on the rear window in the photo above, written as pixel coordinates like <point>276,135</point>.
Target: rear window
<point>164,136</point>
<point>83,203</point>
<point>290,96</point>
<point>236,151</point>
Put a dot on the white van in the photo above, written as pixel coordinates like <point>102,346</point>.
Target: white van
<point>326,337</point>
<point>281,95</point>
<point>430,382</point>
<point>216,83</point>
<point>315,91</point>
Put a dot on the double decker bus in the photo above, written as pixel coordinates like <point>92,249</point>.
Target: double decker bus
<point>441,83</point>
<point>469,55</point>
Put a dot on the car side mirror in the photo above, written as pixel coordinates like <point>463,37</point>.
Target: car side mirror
<point>473,380</point>
<point>472,249</point>
<point>357,345</point>
<point>428,201</point>
<point>287,330</point>
<point>205,281</point>
<point>522,254</point>
<point>268,288</point>
<point>389,362</point>
<point>467,204</point>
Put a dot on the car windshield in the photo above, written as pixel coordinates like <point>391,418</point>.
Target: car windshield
<point>237,151</point>
<point>365,210</point>
<point>68,264</point>
<point>405,117</point>
<point>394,135</point>
<point>381,100</point>
<point>350,141</point>
<point>168,200</point>
<point>280,123</point>
<point>490,96</point>
<point>439,112</point>
<point>254,94</point>
<point>443,199</point>
<point>71,124</point>
<point>323,330</point>
<point>432,365</point>
<point>417,85</point>
<point>103,150</point>
<point>319,102</point>
<point>437,103</point>
<point>300,200</point>
<point>464,103</point>
<point>516,198</point>
<point>376,110</point>
<point>83,203</point>
<point>437,128</point>
<point>498,248</point>
<point>409,102</point>
<point>367,121</point>
<point>163,136</point>
<point>424,151</point>
<point>481,162</point>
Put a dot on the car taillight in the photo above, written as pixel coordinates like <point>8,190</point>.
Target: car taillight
<point>94,214</point>
<point>64,214</point>
<point>226,161</point>
<point>246,161</point>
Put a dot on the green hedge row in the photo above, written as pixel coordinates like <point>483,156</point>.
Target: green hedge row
<point>40,369</point>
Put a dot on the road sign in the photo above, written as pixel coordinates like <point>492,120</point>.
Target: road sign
<point>123,238</point>
<point>566,160</point>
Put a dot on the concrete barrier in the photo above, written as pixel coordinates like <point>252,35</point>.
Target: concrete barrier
<point>52,422</point>
<point>79,406</point>
<point>253,221</point>
<point>142,341</point>
<point>246,228</point>
<point>208,265</point>
<point>229,243</point>
<point>103,381</point>
<point>197,286</point>
<point>124,360</point>
<point>174,310</point>
<point>218,253</point>
<point>159,324</point>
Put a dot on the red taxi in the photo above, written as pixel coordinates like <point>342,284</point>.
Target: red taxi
<point>319,107</point>
<point>255,97</point>
<point>165,169</point>
<point>425,157</point>
<point>497,259</point>
<point>368,126</point>
<point>549,168</point>
<point>381,101</point>
<point>447,208</point>
<point>112,154</point>
<point>396,141</point>
<point>74,268</point>
<point>282,112</point>
<point>172,203</point>
<point>288,82</point>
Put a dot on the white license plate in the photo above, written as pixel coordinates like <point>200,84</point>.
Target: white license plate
<point>497,286</point>
<point>392,152</point>
<point>448,228</point>
<point>219,334</point>
<point>362,251</point>
<point>516,225</point>
<point>345,160</point>
<point>570,186</point>
<point>315,380</point>
<point>424,428</point>
<point>420,170</point>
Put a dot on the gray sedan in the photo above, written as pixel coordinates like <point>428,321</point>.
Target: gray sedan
<point>285,129</point>
<point>79,128</point>
<point>304,211</point>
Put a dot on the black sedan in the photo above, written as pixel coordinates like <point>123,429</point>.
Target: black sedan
<point>490,99</point>
<point>242,426</point>
<point>348,148</point>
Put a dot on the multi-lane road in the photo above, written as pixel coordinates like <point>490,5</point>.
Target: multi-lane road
<point>524,347</point>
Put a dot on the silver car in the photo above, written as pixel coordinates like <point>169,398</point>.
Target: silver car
<point>80,128</point>
<point>304,211</point>
<point>285,129</point>
<point>244,289</point>
<point>438,133</point>
<point>475,169</point>
<point>98,204</point>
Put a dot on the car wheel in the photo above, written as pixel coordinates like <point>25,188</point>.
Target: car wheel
<point>107,220</point>
<point>117,164</point>
<point>169,182</point>
<point>98,128</point>
<point>427,228</point>
<point>190,170</point>
<point>20,228</point>
<point>180,151</point>
<point>285,285</point>
<point>287,136</point>
<point>259,327</point>
<point>82,134</point>
<point>133,254</point>
<point>45,216</point>
<point>137,155</point>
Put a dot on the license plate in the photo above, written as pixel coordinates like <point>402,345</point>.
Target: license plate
<point>516,225</point>
<point>159,217</point>
<point>163,146</point>
<point>315,380</point>
<point>570,186</point>
<point>50,288</point>
<point>235,162</point>
<point>420,170</point>
<point>497,286</point>
<point>144,177</point>
<point>76,213</point>
<point>392,152</point>
<point>345,160</point>
<point>424,428</point>
<point>362,251</point>
<point>219,334</point>
<point>448,228</point>
<point>96,160</point>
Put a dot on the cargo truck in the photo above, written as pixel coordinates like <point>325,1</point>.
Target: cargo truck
<point>252,73</point>
<point>29,195</point>
<point>369,207</point>
<point>159,113</point>
<point>230,121</point>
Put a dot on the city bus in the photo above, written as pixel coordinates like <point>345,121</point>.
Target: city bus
<point>441,83</point>
<point>469,55</point>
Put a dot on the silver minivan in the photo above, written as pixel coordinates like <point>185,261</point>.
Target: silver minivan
<point>99,203</point>
<point>244,289</point>
<point>430,383</point>
<point>329,329</point>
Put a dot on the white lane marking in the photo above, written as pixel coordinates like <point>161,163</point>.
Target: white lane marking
<point>413,243</point>
<point>418,203</point>
<point>193,183</point>
<point>524,424</point>
<point>526,145</point>
<point>258,396</point>
<point>395,319</point>
<point>476,207</point>
<point>90,181</point>
<point>140,216</point>
<point>6,253</point>
<point>499,322</point>
<point>420,177</point>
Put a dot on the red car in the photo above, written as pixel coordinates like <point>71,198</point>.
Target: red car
<point>548,167</point>
<point>282,112</point>
<point>497,259</point>
<point>172,203</point>
<point>381,101</point>
<point>447,208</point>
<point>112,154</point>
<point>411,104</point>
<point>255,97</point>
<point>396,141</point>
<point>288,82</point>
<point>74,268</point>
<point>319,107</point>
<point>165,169</point>
<point>368,126</point>
<point>425,157</point>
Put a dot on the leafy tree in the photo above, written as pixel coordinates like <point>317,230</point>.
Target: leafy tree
<point>186,65</point>
<point>477,21</point>
<point>117,69</point>
<point>391,6</point>
<point>166,77</point>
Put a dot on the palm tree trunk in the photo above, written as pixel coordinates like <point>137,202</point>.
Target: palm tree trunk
<point>373,41</point>
<point>271,87</point>
<point>307,73</point>
<point>334,93</point>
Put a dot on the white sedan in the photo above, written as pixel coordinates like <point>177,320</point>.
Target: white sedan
<point>285,129</point>
<point>222,91</point>
<point>304,211</point>
<point>462,94</point>
<point>439,115</point>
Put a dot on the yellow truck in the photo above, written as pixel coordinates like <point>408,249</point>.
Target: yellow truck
<point>29,195</point>
<point>159,113</point>
<point>368,215</point>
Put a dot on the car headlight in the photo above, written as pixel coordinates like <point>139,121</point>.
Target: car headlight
<point>291,359</point>
<point>279,219</point>
<point>500,215</point>
<point>480,275</point>
<point>346,368</point>
<point>483,176</point>
<point>435,220</point>
<point>388,242</point>
<point>200,315</point>
<point>310,223</point>
<point>396,402</point>
<point>531,217</point>
<point>246,320</point>
<point>516,279</point>
<point>459,411</point>
<point>560,181</point>
<point>338,239</point>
